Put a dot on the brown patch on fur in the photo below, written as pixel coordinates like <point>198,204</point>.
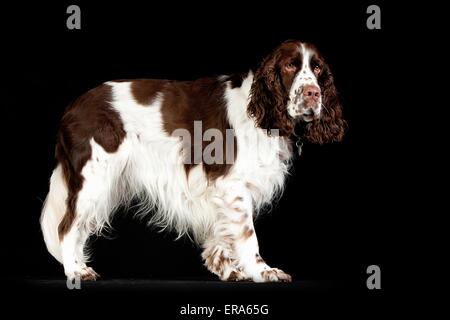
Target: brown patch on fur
<point>228,238</point>
<point>89,116</point>
<point>89,275</point>
<point>247,233</point>
<point>144,91</point>
<point>234,276</point>
<point>259,259</point>
<point>252,187</point>
<point>221,259</point>
<point>235,206</point>
<point>215,260</point>
<point>238,199</point>
<point>200,100</point>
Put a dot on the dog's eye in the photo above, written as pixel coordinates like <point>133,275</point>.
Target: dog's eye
<point>317,69</point>
<point>290,67</point>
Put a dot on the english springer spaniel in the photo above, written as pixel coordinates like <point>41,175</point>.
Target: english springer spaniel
<point>203,157</point>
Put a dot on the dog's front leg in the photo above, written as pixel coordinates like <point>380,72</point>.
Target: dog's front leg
<point>232,250</point>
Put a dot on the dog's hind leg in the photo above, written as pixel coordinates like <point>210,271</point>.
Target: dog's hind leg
<point>92,207</point>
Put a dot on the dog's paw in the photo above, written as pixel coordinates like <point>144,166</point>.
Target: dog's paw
<point>275,275</point>
<point>84,273</point>
<point>235,275</point>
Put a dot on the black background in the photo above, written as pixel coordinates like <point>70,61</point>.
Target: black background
<point>340,212</point>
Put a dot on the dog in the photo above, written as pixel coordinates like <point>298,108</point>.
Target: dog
<point>148,139</point>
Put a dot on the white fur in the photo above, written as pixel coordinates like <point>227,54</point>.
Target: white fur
<point>53,211</point>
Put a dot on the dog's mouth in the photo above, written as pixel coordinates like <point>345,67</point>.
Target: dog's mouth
<point>308,115</point>
<point>307,118</point>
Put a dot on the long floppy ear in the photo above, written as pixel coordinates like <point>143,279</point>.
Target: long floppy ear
<point>268,98</point>
<point>331,125</point>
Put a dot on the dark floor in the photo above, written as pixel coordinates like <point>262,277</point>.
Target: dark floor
<point>165,299</point>
<point>152,285</point>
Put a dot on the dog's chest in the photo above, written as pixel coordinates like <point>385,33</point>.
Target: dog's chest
<point>262,160</point>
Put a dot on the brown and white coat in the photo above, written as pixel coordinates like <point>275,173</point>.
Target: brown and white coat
<point>122,141</point>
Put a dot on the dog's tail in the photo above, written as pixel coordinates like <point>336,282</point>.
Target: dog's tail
<point>53,211</point>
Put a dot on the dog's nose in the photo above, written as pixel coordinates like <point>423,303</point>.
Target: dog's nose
<point>311,91</point>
